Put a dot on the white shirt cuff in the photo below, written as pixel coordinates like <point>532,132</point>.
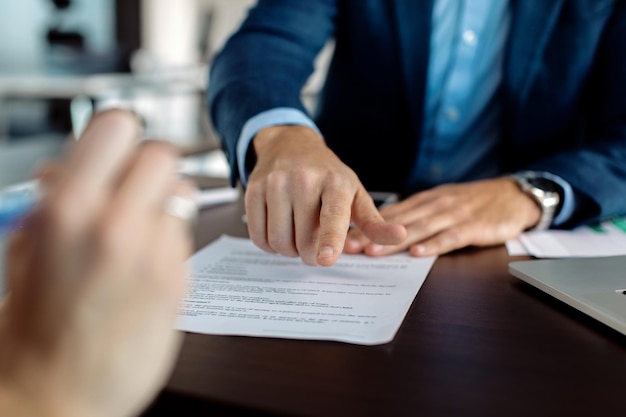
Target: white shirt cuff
<point>274,117</point>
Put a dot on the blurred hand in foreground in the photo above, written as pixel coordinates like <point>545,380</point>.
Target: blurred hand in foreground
<point>95,277</point>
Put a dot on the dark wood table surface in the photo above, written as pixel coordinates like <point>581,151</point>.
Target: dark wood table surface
<point>476,342</point>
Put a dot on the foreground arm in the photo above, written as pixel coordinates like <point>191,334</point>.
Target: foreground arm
<point>265,65</point>
<point>95,278</point>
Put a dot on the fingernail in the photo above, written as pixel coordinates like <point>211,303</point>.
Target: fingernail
<point>326,252</point>
<point>352,244</point>
<point>421,249</point>
<point>376,248</point>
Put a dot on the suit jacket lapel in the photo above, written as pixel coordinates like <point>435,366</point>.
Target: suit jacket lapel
<point>413,23</point>
<point>533,22</point>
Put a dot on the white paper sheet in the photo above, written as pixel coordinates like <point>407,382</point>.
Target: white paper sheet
<point>237,289</point>
<point>515,248</point>
<point>605,239</point>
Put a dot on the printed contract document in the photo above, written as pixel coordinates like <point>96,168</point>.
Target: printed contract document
<point>237,289</point>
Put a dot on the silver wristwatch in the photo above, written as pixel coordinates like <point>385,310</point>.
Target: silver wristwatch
<point>544,192</point>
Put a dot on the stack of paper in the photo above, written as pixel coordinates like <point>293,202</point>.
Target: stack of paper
<point>605,239</point>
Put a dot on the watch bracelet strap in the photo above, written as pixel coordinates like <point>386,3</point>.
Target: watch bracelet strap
<point>547,213</point>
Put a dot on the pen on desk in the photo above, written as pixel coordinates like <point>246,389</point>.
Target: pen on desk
<point>16,201</point>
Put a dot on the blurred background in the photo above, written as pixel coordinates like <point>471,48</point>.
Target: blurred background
<point>60,60</point>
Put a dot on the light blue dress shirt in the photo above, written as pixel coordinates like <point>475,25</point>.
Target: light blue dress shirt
<point>461,131</point>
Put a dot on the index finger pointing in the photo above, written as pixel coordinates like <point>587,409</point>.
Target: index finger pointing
<point>334,223</point>
<point>368,219</point>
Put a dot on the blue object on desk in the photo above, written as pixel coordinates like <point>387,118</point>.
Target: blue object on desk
<point>17,201</point>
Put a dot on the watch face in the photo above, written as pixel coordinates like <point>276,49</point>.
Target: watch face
<point>545,184</point>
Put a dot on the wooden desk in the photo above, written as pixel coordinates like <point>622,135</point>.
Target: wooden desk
<point>476,342</point>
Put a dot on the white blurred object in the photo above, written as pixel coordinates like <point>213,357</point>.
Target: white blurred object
<point>516,248</point>
<point>216,197</point>
<point>81,110</point>
<point>175,117</point>
<point>227,15</point>
<point>170,32</point>
<point>212,164</point>
<point>170,42</point>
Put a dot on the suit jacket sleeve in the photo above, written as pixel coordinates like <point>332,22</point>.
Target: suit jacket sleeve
<point>595,166</point>
<point>266,63</point>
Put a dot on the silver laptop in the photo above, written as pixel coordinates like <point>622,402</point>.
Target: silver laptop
<point>595,286</point>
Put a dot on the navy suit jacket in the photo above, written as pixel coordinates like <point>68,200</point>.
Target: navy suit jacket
<point>564,87</point>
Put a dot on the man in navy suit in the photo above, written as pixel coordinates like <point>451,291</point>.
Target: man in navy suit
<point>489,117</point>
